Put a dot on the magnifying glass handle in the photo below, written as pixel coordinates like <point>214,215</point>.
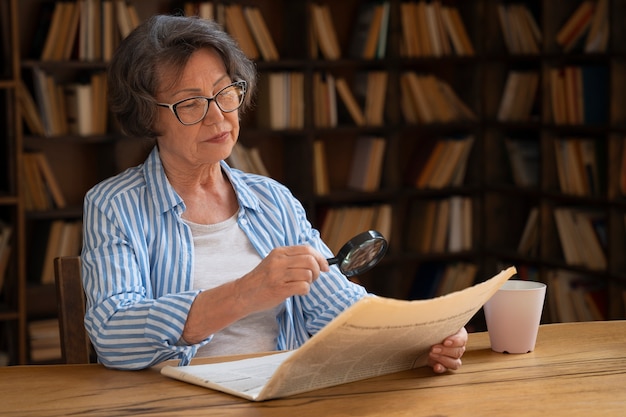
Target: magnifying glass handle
<point>333,261</point>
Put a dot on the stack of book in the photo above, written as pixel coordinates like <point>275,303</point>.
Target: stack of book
<point>579,94</point>
<point>341,224</point>
<point>41,188</point>
<point>281,100</point>
<point>428,99</point>
<point>441,225</point>
<point>433,29</point>
<point>520,29</point>
<point>576,297</point>
<point>247,159</point>
<point>6,247</point>
<point>73,108</point>
<point>323,38</point>
<point>577,166</point>
<point>518,96</point>
<point>583,237</point>
<point>248,27</point>
<point>364,103</point>
<point>369,38</point>
<point>591,18</point>
<point>85,30</point>
<point>45,340</point>
<point>440,163</point>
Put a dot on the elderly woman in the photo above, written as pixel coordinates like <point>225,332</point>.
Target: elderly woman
<point>184,256</point>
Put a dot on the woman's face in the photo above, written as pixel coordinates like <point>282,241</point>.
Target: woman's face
<point>211,139</point>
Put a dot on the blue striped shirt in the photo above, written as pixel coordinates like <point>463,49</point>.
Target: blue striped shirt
<point>137,262</point>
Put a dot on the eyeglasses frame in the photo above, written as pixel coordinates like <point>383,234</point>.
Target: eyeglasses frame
<point>241,83</point>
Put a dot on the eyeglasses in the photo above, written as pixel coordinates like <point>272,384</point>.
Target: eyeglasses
<point>192,110</point>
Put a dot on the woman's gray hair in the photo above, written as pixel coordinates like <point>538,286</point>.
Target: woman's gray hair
<point>163,45</point>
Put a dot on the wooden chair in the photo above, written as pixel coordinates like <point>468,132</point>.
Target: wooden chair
<point>75,344</point>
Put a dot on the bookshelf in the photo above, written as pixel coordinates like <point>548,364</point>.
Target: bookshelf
<point>360,84</point>
<point>12,259</point>
<point>574,152</point>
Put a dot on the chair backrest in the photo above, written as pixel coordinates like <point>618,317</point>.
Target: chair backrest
<point>75,344</point>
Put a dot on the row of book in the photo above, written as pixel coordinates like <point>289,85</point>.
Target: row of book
<point>89,30</point>
<point>281,102</point>
<point>428,99</point>
<point>440,163</point>
<point>441,225</point>
<point>521,32</point>
<point>577,166</point>
<point>64,238</point>
<point>42,190</point>
<point>6,248</point>
<point>574,297</point>
<point>518,96</point>
<point>579,94</point>
<point>435,279</point>
<point>245,24</point>
<point>590,18</point>
<point>583,237</point>
<point>364,102</point>
<point>86,30</point>
<point>369,38</point>
<point>44,340</point>
<point>433,29</point>
<point>582,234</point>
<point>340,224</point>
<point>247,159</point>
<point>281,99</point>
<point>365,167</point>
<point>529,241</point>
<point>76,108</point>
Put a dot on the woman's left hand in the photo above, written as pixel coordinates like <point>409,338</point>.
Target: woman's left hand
<point>447,355</point>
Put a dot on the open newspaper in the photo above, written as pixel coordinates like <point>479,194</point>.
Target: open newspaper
<point>373,337</point>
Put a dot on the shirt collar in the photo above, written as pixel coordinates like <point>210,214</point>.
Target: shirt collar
<point>166,198</point>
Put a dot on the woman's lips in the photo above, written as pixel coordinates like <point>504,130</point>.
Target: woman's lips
<point>221,137</point>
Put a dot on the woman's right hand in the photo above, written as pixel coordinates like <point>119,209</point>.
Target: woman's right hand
<point>286,271</point>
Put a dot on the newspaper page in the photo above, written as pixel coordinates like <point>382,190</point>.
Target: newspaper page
<point>375,336</point>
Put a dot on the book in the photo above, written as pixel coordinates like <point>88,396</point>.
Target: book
<point>456,29</point>
<point>6,247</point>
<point>247,159</point>
<point>320,168</point>
<point>261,33</point>
<point>599,29</point>
<point>575,26</point>
<point>29,110</point>
<point>348,99</point>
<point>324,31</point>
<point>373,337</point>
<point>529,241</point>
<point>238,28</point>
<point>49,179</point>
<point>367,162</point>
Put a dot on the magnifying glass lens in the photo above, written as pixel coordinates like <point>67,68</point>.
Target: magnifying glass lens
<point>360,253</point>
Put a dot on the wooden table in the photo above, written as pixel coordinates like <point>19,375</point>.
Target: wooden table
<point>576,369</point>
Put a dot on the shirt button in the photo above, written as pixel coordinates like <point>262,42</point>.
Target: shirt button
<point>244,221</point>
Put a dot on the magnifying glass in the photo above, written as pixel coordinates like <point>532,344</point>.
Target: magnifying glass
<point>361,253</point>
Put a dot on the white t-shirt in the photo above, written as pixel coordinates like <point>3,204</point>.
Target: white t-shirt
<point>223,253</point>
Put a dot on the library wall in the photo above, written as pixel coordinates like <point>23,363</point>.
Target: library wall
<point>473,134</point>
